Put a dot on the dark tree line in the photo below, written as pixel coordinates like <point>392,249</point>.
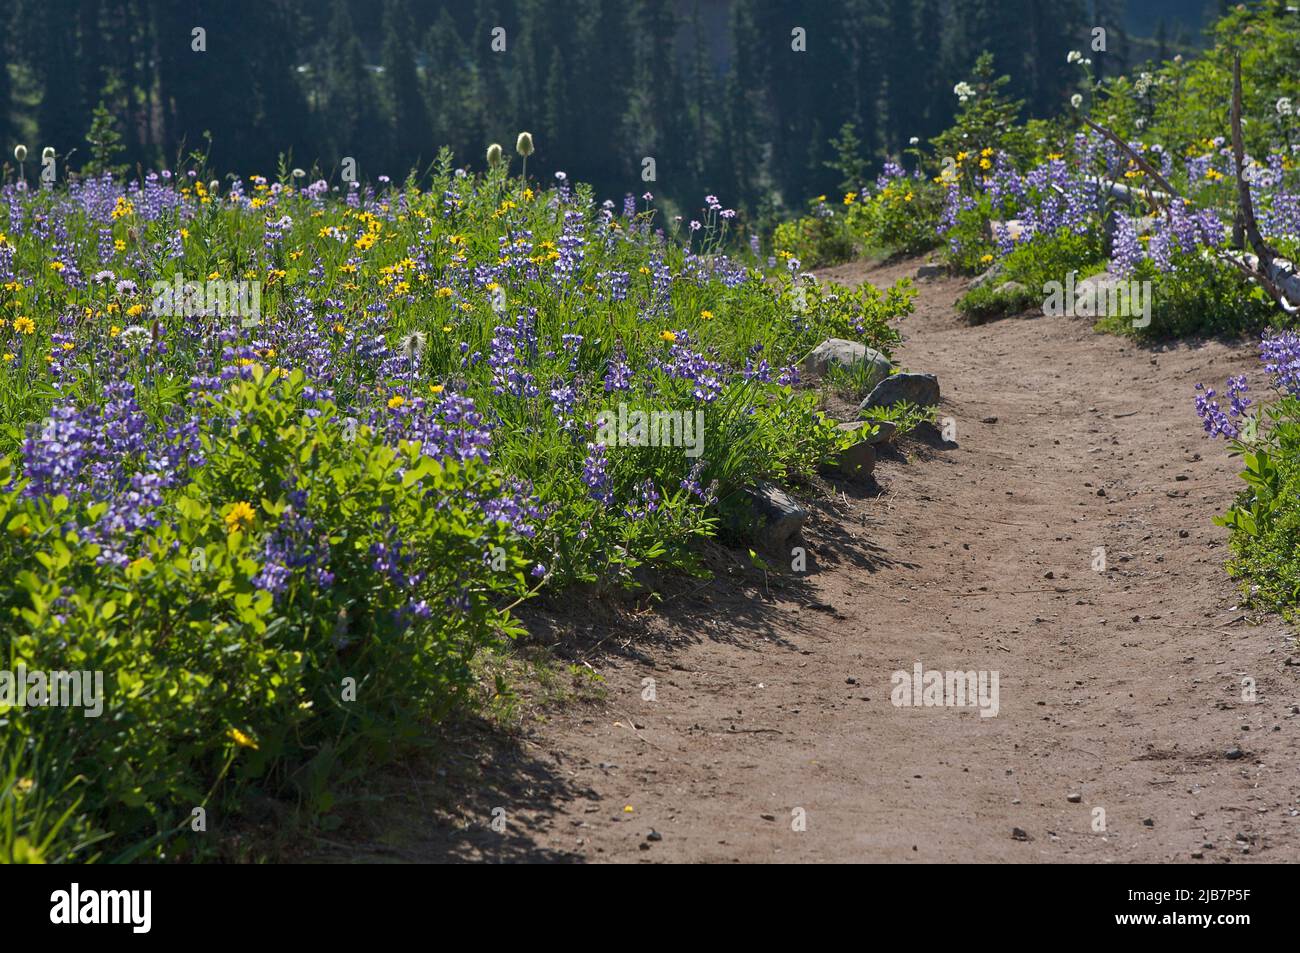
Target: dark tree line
<point>711,89</point>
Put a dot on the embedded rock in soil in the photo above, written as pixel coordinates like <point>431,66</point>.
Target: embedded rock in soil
<point>930,271</point>
<point>858,461</point>
<point>780,515</point>
<point>847,354</point>
<point>883,433</point>
<point>994,272</point>
<point>920,389</point>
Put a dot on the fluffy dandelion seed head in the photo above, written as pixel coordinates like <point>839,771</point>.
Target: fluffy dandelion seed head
<point>413,344</point>
<point>1076,100</point>
<point>136,335</point>
<point>524,144</point>
<point>20,152</point>
<point>494,155</point>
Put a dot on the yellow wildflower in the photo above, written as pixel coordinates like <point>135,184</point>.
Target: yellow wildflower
<point>239,518</point>
<point>241,739</point>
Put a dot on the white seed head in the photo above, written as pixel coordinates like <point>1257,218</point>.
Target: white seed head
<point>524,144</point>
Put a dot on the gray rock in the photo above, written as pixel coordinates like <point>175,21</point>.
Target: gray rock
<point>1093,297</point>
<point>847,354</point>
<point>1013,228</point>
<point>858,461</point>
<point>921,389</point>
<point>1010,287</point>
<point>994,272</point>
<point>780,515</point>
<point>930,271</point>
<point>885,430</point>
<point>1143,225</point>
<point>883,433</point>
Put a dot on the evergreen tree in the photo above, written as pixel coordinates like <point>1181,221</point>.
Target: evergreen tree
<point>409,122</point>
<point>6,87</point>
<point>51,36</point>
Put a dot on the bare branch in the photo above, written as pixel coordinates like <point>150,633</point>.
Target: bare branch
<point>1239,156</point>
<point>1141,162</point>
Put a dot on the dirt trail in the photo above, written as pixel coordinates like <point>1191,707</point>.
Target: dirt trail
<point>1123,687</point>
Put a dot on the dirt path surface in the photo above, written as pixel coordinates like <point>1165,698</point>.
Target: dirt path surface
<point>1118,690</point>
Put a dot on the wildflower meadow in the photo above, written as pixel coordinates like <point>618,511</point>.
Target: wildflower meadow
<point>283,531</point>
<point>613,430</point>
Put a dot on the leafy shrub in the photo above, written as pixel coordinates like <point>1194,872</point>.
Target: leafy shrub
<point>825,237</point>
<point>900,215</point>
<point>1032,265</point>
<point>1265,519</point>
<point>310,584</point>
<point>1200,295</point>
<point>987,303</point>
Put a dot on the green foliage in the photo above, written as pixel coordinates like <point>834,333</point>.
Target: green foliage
<point>1031,266</point>
<point>105,143</point>
<point>823,238</point>
<point>900,216</point>
<point>988,302</point>
<point>986,119</point>
<point>601,83</point>
<point>304,585</point>
<point>209,678</point>
<point>896,217</point>
<point>1185,102</point>
<point>1199,296</point>
<point>850,161</point>
<point>1265,519</point>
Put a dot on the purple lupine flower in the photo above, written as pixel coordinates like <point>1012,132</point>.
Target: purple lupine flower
<point>1217,423</point>
<point>595,474</point>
